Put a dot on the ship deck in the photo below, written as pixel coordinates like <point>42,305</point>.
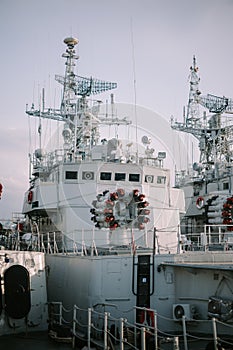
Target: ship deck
<point>41,340</point>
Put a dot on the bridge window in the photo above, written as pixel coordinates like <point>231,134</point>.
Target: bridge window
<point>134,177</point>
<point>161,180</point>
<point>120,177</point>
<point>71,175</point>
<point>105,176</point>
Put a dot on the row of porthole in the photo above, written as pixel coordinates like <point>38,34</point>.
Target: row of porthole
<point>107,176</point>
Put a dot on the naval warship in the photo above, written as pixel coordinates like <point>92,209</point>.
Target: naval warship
<point>118,238</point>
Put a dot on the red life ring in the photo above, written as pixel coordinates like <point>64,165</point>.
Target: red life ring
<point>30,197</point>
<point>1,187</point>
<point>109,209</point>
<point>200,202</point>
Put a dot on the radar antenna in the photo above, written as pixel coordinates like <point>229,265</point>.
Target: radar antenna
<point>87,86</point>
<point>216,104</point>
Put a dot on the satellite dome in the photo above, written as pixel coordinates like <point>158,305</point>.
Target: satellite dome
<point>71,41</point>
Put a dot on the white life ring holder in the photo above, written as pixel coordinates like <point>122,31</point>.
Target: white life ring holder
<point>200,202</point>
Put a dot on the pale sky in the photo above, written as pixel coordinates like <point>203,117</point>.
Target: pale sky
<point>160,36</point>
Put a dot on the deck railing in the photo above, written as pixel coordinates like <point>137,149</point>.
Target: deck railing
<point>213,237</point>
<point>93,328</point>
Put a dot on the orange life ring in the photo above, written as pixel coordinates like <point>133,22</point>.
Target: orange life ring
<point>200,202</point>
<point>30,197</point>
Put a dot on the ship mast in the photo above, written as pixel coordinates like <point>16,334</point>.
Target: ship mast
<point>213,131</point>
<point>68,104</point>
<point>192,117</point>
<point>81,122</point>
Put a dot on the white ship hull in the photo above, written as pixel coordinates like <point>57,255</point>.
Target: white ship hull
<point>108,284</point>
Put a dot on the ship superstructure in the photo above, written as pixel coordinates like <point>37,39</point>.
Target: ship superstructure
<point>208,185</point>
<point>96,188</point>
